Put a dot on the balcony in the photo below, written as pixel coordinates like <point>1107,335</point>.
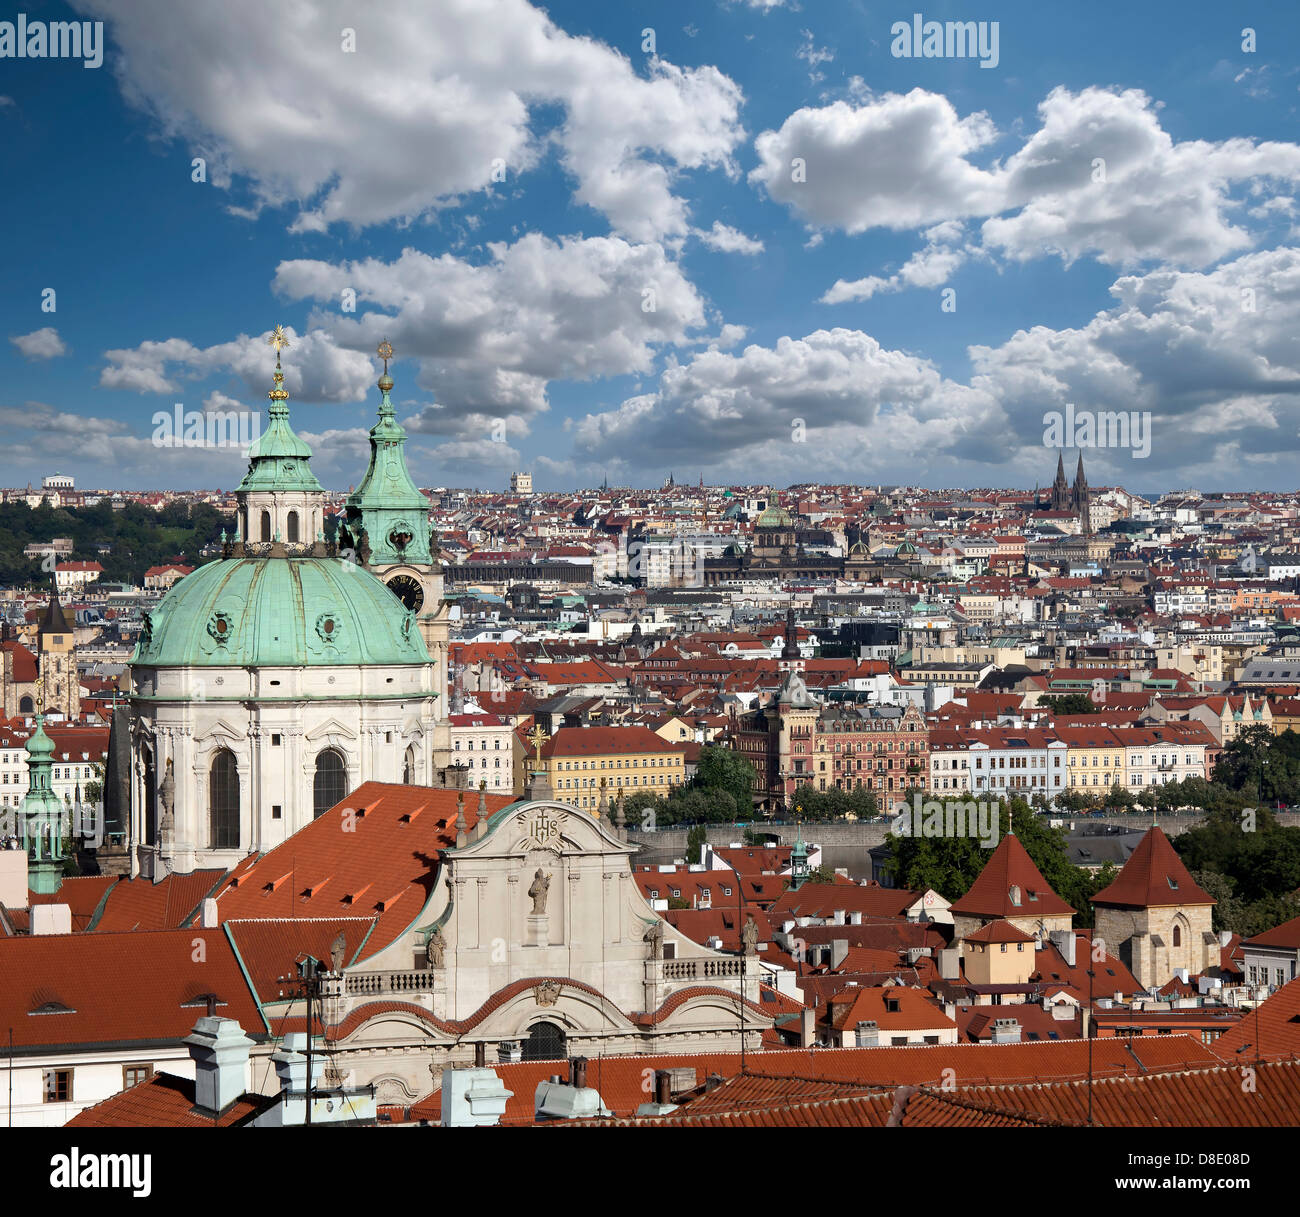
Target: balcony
<point>375,984</point>
<point>701,969</point>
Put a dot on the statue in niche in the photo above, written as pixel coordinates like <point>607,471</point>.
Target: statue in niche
<point>435,949</point>
<point>537,890</point>
<point>655,937</point>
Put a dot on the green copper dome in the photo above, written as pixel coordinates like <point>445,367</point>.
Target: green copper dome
<point>279,612</point>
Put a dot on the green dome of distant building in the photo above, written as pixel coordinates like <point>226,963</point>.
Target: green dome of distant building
<point>279,612</point>
<point>775,517</point>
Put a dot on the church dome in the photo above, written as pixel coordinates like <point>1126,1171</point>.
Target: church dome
<point>279,612</point>
<point>775,517</point>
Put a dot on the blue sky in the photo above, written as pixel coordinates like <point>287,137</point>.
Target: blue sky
<point>648,289</point>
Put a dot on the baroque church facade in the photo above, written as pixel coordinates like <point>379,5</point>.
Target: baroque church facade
<point>269,683</point>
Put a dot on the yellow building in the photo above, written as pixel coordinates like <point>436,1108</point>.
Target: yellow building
<point>630,759</point>
<point>1094,758</point>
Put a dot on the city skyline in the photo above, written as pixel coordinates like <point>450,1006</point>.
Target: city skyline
<point>716,240</point>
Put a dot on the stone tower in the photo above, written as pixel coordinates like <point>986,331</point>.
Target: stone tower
<point>1081,499</point>
<point>58,687</point>
<point>1155,917</point>
<point>1060,500</point>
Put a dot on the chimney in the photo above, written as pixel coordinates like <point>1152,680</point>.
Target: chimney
<point>949,964</point>
<point>663,1086</point>
<point>472,1098</point>
<point>291,1064</point>
<point>839,952</point>
<point>868,1034</point>
<point>1064,941</point>
<point>1006,1031</point>
<point>13,878</point>
<point>208,918</point>
<point>1225,937</point>
<point>807,1027</point>
<point>49,918</point>
<point>855,919</point>
<point>219,1049</point>
<point>578,1072</point>
<point>480,1055</point>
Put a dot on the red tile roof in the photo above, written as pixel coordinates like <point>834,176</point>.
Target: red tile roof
<point>1000,931</point>
<point>164,1101</point>
<point>1153,876</point>
<point>375,853</point>
<point>1010,866</point>
<point>106,988</point>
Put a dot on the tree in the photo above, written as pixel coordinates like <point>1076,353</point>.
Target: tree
<point>696,839</point>
<point>721,769</point>
<point>820,874</point>
<point>1069,703</point>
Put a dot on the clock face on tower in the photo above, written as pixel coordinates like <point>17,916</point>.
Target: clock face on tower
<point>408,591</point>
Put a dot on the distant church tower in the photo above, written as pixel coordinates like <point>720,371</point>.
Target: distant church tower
<point>1060,500</point>
<point>1080,499</point>
<point>388,519</point>
<point>58,686</point>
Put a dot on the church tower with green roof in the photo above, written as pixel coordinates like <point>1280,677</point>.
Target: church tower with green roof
<point>388,528</point>
<point>40,817</point>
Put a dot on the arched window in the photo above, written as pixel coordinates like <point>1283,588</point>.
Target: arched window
<point>545,1042</point>
<point>223,800</point>
<point>1178,935</point>
<point>26,705</point>
<point>150,801</point>
<point>331,784</point>
<point>293,526</point>
<point>408,767</point>
<point>266,526</point>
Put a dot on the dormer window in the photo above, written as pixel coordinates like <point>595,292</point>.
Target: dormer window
<point>1173,883</point>
<point>1013,893</point>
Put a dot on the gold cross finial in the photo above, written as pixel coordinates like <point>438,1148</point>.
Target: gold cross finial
<point>537,737</point>
<point>385,353</point>
<point>278,341</point>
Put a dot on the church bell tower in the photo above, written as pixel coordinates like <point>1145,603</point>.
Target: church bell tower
<point>388,528</point>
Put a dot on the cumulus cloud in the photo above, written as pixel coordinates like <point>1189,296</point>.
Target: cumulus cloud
<point>728,240</point>
<point>929,267</point>
<point>421,105</point>
<point>1099,177</point>
<point>491,336</point>
<point>834,400</point>
<point>316,368</point>
<point>1213,356</point>
<point>44,343</point>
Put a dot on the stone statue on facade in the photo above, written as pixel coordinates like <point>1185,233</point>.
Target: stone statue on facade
<point>338,948</point>
<point>435,949</point>
<point>655,937</point>
<point>749,937</point>
<point>537,890</point>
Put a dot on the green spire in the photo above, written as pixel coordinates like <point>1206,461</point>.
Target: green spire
<point>40,817</point>
<point>278,459</point>
<point>387,503</point>
<point>798,860</point>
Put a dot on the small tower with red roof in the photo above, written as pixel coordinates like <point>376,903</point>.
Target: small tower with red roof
<point>1010,888</point>
<point>1155,917</point>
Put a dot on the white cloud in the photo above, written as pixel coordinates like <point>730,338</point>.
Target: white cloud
<point>315,367</point>
<point>44,343</point>
<point>728,240</point>
<point>1099,178</point>
<point>490,337</point>
<point>1217,367</point>
<point>897,162</point>
<point>414,118</point>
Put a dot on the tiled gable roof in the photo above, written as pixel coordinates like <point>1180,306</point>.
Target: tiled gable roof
<point>1010,866</point>
<point>1154,876</point>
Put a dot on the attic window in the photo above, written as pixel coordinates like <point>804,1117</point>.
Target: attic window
<point>1033,895</point>
<point>52,1007</point>
<point>1172,882</point>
